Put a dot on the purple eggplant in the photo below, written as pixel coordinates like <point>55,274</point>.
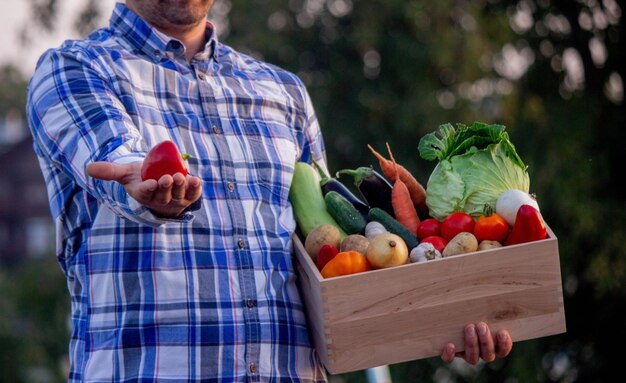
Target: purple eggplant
<point>328,183</point>
<point>374,187</point>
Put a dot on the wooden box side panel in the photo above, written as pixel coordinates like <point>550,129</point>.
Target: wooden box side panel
<point>410,312</point>
<point>454,279</point>
<point>405,336</point>
<point>309,282</point>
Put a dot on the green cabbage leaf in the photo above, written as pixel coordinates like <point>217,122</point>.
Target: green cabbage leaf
<point>476,164</point>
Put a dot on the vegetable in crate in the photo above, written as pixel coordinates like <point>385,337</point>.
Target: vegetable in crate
<point>392,171</point>
<point>509,202</point>
<point>305,194</point>
<point>439,242</point>
<point>325,234</point>
<point>456,223</point>
<point>328,184</point>
<point>476,164</point>
<point>346,215</point>
<point>403,207</point>
<point>326,253</point>
<point>491,226</point>
<point>529,226</point>
<point>429,227</point>
<point>345,263</point>
<point>393,226</point>
<point>387,250</point>
<point>373,186</point>
<point>164,158</point>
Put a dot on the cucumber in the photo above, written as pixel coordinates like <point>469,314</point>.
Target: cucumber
<point>345,213</point>
<point>393,226</point>
<point>307,200</point>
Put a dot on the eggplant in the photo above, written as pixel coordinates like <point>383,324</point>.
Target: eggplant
<point>328,183</point>
<point>374,187</point>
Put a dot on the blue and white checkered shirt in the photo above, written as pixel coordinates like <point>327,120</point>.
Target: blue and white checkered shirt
<point>211,296</point>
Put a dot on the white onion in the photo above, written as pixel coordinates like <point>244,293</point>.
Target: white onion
<point>510,201</point>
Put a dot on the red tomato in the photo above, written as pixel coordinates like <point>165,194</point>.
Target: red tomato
<point>437,241</point>
<point>456,223</point>
<point>492,227</point>
<point>428,227</point>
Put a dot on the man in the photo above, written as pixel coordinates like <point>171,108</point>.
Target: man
<point>187,278</point>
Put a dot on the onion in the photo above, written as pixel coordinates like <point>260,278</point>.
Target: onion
<point>510,201</point>
<point>387,250</point>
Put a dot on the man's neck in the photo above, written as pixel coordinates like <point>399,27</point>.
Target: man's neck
<point>193,38</point>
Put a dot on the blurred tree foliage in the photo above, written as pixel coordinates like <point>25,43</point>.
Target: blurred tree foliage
<point>553,71</point>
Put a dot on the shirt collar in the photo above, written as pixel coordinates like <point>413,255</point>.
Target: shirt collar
<point>151,41</point>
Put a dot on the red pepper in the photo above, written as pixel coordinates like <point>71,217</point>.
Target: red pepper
<point>327,252</point>
<point>529,226</point>
<point>163,159</point>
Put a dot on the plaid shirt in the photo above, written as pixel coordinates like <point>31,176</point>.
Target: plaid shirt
<point>211,296</point>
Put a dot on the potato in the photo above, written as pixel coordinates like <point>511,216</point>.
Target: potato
<point>487,244</point>
<point>325,234</point>
<point>462,243</point>
<point>356,242</point>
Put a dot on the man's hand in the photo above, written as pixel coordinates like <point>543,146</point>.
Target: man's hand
<point>168,197</point>
<point>479,343</point>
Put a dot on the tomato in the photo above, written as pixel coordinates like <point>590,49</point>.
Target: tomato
<point>456,223</point>
<point>493,227</point>
<point>437,241</point>
<point>428,227</point>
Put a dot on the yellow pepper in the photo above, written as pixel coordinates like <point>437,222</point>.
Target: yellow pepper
<point>344,263</point>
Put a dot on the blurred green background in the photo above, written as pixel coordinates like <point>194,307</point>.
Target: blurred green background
<point>391,71</point>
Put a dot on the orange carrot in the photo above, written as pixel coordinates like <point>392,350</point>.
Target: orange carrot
<point>403,207</point>
<point>417,191</point>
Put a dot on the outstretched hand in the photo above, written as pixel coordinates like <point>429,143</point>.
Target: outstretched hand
<point>479,343</point>
<point>168,197</point>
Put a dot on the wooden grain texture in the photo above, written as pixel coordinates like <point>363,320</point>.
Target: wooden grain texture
<point>409,312</point>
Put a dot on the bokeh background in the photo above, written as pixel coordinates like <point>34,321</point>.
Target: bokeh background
<point>379,71</point>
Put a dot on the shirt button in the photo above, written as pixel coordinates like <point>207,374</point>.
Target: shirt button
<point>201,76</point>
<point>250,303</point>
<point>231,187</point>
<point>216,130</point>
<point>252,368</point>
<point>241,243</point>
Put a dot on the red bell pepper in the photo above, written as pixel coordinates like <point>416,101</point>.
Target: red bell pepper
<point>529,226</point>
<point>162,159</point>
<point>327,252</point>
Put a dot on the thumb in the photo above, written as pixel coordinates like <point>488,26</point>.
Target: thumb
<point>109,171</point>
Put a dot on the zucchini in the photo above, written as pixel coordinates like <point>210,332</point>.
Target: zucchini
<point>307,200</point>
<point>345,213</point>
<point>393,226</point>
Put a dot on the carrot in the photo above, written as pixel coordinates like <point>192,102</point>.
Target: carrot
<point>416,190</point>
<point>403,207</point>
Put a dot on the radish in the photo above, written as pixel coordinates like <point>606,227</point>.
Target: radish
<point>509,202</point>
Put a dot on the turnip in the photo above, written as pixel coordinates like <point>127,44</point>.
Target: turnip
<point>509,202</point>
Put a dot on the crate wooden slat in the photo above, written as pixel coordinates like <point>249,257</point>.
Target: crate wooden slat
<point>409,312</point>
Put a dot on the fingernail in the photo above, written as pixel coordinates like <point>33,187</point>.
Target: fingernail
<point>469,329</point>
<point>502,337</point>
<point>482,329</point>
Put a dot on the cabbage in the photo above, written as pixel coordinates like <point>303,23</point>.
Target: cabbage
<point>476,164</point>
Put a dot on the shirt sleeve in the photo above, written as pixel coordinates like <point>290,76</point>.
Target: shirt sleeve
<point>75,119</point>
<point>313,143</point>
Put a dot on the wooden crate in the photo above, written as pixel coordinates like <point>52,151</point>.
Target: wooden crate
<point>410,312</point>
